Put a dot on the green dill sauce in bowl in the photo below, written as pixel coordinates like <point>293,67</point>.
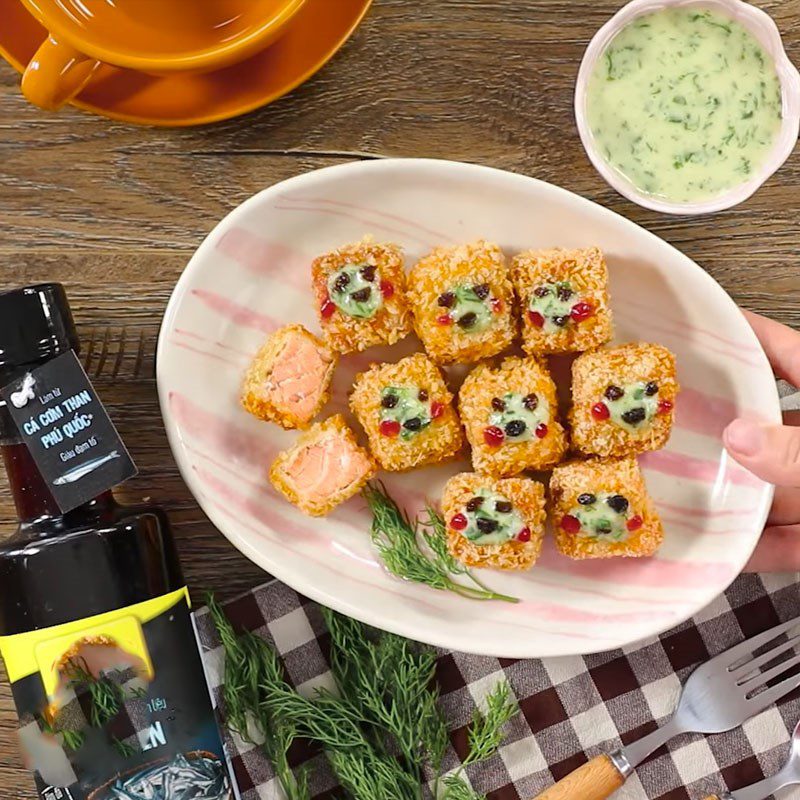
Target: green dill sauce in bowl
<point>681,105</point>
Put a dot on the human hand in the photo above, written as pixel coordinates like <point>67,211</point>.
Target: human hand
<point>772,452</point>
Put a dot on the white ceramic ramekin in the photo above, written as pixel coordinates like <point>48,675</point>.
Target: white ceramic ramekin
<point>766,31</point>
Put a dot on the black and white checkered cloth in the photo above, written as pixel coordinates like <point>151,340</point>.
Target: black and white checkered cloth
<point>573,708</point>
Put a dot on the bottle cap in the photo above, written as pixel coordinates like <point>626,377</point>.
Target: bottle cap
<point>35,325</point>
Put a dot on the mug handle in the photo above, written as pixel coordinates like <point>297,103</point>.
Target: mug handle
<point>56,73</point>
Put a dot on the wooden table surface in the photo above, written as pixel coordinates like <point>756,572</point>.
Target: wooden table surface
<point>115,211</point>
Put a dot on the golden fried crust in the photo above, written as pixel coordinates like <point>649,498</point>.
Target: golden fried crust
<point>587,272</point>
<point>441,440</point>
<point>390,323</point>
<point>593,372</point>
<point>442,270</point>
<point>528,498</point>
<point>519,375</point>
<point>614,476</point>
<point>317,505</point>
<point>259,402</point>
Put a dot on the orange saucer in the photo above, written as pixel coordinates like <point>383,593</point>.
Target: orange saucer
<point>310,41</point>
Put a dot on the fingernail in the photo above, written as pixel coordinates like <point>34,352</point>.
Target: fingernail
<point>744,437</point>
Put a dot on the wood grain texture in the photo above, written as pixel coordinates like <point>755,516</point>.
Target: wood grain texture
<point>114,211</point>
<point>595,780</point>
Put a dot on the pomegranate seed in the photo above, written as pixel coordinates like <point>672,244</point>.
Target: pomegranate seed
<point>493,436</point>
<point>327,308</point>
<point>437,409</point>
<point>664,406</point>
<point>524,535</point>
<point>536,319</point>
<point>458,522</point>
<point>600,411</point>
<point>387,289</point>
<point>570,524</point>
<point>497,305</point>
<point>541,430</point>
<point>634,523</point>
<point>581,311</point>
<point>445,319</point>
<point>390,427</point>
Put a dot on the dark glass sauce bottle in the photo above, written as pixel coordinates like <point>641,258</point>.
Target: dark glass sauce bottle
<point>100,562</point>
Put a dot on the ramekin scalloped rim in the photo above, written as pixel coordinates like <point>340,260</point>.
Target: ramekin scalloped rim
<point>763,27</point>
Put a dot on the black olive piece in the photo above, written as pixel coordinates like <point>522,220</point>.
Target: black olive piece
<point>486,525</point>
<point>474,504</point>
<point>368,274</point>
<point>341,282</point>
<point>542,291</point>
<point>498,404</point>
<point>446,300</point>
<point>618,503</point>
<point>651,388</point>
<point>413,424</point>
<point>389,400</point>
<point>561,321</point>
<point>530,401</point>
<point>586,499</point>
<point>564,293</point>
<point>362,295</point>
<point>468,320</point>
<point>481,291</point>
<point>614,392</point>
<point>515,428</point>
<point>503,506</point>
<point>635,415</point>
<point>422,395</point>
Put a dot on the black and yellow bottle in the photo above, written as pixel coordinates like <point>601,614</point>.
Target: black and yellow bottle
<point>95,626</point>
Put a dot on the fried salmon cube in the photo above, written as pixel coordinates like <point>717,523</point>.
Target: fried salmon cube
<point>323,468</point>
<point>406,410</point>
<point>623,399</point>
<point>494,523</point>
<point>288,381</point>
<point>510,414</point>
<point>563,297</point>
<point>360,295</point>
<point>462,301</point>
<point>600,508</point>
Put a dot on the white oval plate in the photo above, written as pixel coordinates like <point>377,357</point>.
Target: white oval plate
<point>251,275</point>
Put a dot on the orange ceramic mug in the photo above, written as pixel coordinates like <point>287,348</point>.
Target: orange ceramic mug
<point>154,36</point>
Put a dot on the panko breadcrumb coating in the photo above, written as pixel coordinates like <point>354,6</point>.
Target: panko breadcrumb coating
<point>600,508</point>
<point>510,414</point>
<point>468,497</point>
<point>462,301</point>
<point>360,295</point>
<point>406,410</point>
<point>323,468</point>
<point>288,381</point>
<point>563,298</point>
<point>623,399</point>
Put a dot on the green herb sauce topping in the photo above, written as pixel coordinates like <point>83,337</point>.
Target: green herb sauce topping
<point>554,301</point>
<point>685,103</point>
<point>519,416</point>
<point>599,520</point>
<point>407,405</point>
<point>491,519</point>
<point>355,290</point>
<point>637,406</point>
<point>469,307</point>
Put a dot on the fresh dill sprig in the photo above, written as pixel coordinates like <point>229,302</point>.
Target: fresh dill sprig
<point>73,740</point>
<point>486,731</point>
<point>398,542</point>
<point>252,672</point>
<point>124,750</point>
<point>106,696</point>
<point>456,788</point>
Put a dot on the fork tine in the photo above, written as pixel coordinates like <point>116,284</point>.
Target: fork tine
<point>762,677</point>
<point>749,666</point>
<point>773,694</point>
<point>747,647</point>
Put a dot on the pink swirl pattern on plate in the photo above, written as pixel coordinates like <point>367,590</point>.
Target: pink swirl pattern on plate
<point>250,276</point>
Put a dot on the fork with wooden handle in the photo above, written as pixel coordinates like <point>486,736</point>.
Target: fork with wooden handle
<point>719,696</point>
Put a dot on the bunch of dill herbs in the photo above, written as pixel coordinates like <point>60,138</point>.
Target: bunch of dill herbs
<point>382,731</point>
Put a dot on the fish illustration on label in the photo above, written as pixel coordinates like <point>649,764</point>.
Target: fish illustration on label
<point>90,466</point>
